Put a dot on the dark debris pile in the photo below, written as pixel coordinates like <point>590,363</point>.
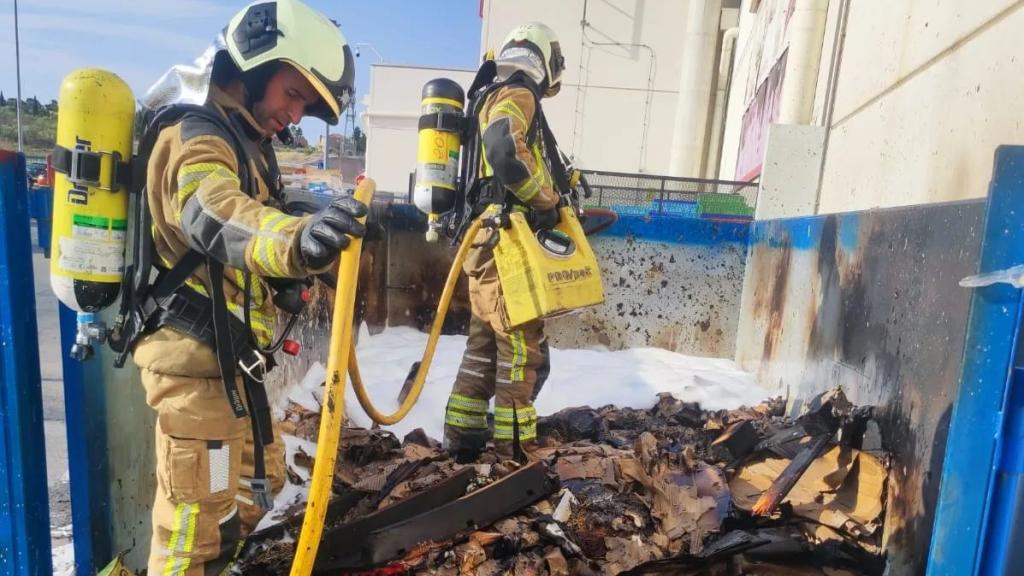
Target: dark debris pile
<point>670,490</point>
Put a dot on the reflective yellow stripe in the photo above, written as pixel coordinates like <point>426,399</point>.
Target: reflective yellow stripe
<point>540,178</point>
<point>518,341</point>
<point>258,295</point>
<point>264,250</point>
<point>468,404</point>
<point>508,108</point>
<point>438,100</point>
<point>284,221</point>
<point>172,544</point>
<point>506,418</point>
<point>262,324</point>
<point>197,286</point>
<point>191,176</point>
<point>182,539</point>
<point>460,420</point>
<point>545,177</point>
<point>190,538</point>
<point>526,433</point>
<point>485,166</point>
<point>528,189</point>
<point>524,415</point>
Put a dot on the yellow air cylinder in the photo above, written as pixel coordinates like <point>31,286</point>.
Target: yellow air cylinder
<point>543,274</point>
<point>437,156</point>
<point>90,206</point>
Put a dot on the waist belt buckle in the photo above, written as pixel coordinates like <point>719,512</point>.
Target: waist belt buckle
<point>260,488</point>
<point>256,370</point>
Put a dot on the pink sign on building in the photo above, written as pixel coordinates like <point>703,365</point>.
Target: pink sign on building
<point>763,111</point>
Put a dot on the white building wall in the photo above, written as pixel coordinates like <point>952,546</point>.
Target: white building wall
<point>774,79</point>
<point>390,120</point>
<point>927,90</point>
<point>619,91</point>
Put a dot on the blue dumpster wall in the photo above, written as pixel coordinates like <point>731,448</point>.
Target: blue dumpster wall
<point>24,509</point>
<point>110,455</point>
<point>870,301</point>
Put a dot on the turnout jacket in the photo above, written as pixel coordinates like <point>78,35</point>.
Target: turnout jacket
<point>512,152</point>
<point>197,201</point>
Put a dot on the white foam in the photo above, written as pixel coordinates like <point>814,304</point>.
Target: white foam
<point>627,378</point>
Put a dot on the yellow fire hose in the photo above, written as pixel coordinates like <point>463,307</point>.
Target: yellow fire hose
<point>341,359</point>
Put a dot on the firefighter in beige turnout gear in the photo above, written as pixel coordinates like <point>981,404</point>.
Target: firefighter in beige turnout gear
<point>277,61</point>
<point>508,364</point>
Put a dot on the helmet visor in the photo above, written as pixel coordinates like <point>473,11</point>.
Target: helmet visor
<point>335,96</point>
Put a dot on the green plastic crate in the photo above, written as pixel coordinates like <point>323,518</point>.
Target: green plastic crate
<point>722,205</point>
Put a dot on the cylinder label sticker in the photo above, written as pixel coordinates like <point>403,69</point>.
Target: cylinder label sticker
<point>87,256</point>
<point>97,228</point>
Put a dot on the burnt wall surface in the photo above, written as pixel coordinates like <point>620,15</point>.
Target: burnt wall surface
<point>870,301</point>
<point>670,283</point>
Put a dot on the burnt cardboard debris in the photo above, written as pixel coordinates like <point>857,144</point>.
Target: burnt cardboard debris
<point>669,490</point>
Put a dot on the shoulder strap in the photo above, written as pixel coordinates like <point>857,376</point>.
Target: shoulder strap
<point>484,78</point>
<point>136,284</point>
<point>554,155</point>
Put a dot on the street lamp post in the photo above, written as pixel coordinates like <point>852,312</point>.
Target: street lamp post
<point>358,45</point>
<point>17,68</point>
<point>380,60</point>
<point>327,142</point>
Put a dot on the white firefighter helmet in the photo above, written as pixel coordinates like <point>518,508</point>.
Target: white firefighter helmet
<point>290,31</point>
<point>541,41</point>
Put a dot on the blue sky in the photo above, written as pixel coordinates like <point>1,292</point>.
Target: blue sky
<point>140,39</point>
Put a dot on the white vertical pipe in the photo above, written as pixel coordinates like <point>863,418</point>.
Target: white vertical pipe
<point>714,153</point>
<point>806,33</point>
<point>695,79</point>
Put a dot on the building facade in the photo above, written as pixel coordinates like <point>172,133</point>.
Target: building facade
<point>831,105</point>
<point>390,115</point>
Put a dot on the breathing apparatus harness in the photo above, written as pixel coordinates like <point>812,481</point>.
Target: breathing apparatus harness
<point>167,301</point>
<point>476,193</point>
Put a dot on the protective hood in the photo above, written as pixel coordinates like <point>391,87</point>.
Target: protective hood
<point>184,83</point>
<point>512,60</point>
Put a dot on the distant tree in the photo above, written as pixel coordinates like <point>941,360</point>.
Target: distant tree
<point>359,139</point>
<point>33,105</point>
<point>52,107</point>
<point>3,101</point>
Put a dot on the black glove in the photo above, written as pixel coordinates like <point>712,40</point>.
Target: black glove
<point>327,233</point>
<point>544,219</point>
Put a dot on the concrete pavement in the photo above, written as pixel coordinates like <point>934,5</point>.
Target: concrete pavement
<point>53,399</point>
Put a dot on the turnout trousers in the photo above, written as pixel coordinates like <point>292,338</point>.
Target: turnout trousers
<point>203,507</point>
<point>508,365</point>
